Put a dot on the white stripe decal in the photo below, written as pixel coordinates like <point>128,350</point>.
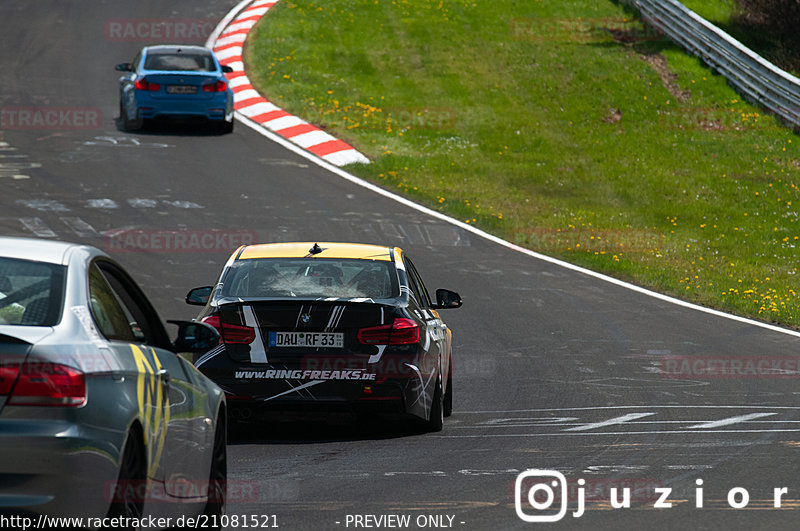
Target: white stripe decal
<point>258,354</point>
<point>210,354</point>
<point>293,389</point>
<point>336,316</point>
<point>300,314</point>
<point>375,358</point>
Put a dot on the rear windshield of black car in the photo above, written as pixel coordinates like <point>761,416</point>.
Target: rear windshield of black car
<point>31,293</point>
<point>181,62</point>
<point>311,277</point>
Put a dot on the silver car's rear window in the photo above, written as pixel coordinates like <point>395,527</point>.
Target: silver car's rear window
<point>311,277</point>
<point>31,293</point>
<point>183,62</point>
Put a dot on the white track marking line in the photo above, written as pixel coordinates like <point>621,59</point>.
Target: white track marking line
<point>614,433</point>
<point>610,422</point>
<point>601,408</point>
<point>38,227</point>
<point>80,227</point>
<point>728,421</point>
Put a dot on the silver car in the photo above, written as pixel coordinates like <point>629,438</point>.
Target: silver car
<point>99,415</point>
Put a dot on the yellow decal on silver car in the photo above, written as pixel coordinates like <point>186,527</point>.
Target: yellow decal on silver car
<point>153,406</point>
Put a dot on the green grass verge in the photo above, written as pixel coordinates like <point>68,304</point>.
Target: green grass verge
<point>715,11</point>
<point>550,124</point>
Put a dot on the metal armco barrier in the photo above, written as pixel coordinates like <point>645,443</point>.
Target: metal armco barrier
<point>755,78</point>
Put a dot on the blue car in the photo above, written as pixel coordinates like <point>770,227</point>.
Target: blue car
<point>175,82</point>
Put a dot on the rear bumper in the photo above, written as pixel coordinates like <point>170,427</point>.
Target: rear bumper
<point>217,108</point>
<point>394,383</point>
<point>252,400</point>
<point>56,468</point>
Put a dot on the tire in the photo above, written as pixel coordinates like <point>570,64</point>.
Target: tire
<point>127,500</point>
<point>448,395</point>
<point>218,473</point>
<point>128,124</point>
<point>224,128</point>
<point>436,421</point>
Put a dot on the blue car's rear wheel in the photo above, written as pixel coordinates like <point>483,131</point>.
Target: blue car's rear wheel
<point>223,127</point>
<point>127,123</point>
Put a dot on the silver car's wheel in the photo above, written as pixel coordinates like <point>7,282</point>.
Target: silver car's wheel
<point>218,477</point>
<point>127,501</point>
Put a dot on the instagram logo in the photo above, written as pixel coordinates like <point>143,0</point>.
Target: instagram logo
<point>536,491</point>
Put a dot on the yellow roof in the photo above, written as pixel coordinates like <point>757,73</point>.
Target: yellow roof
<point>330,250</point>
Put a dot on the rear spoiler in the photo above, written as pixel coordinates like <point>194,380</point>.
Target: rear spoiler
<point>305,300</point>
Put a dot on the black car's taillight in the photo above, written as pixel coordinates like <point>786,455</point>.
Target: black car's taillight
<point>40,383</point>
<point>401,332</point>
<point>231,333</point>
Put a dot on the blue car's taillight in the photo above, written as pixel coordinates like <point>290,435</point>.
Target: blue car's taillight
<point>143,84</point>
<point>219,86</point>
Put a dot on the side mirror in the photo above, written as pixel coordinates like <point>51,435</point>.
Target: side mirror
<point>194,336</point>
<point>226,69</point>
<point>123,67</point>
<point>447,299</point>
<point>199,296</point>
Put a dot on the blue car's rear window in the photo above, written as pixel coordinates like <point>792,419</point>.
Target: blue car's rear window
<point>182,62</point>
<point>31,293</point>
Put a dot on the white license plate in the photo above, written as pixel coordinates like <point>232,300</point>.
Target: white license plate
<point>306,339</point>
<point>181,89</point>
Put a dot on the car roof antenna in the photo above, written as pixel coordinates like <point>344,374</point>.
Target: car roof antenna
<point>315,250</point>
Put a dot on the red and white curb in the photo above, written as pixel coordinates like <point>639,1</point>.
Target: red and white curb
<point>227,42</point>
